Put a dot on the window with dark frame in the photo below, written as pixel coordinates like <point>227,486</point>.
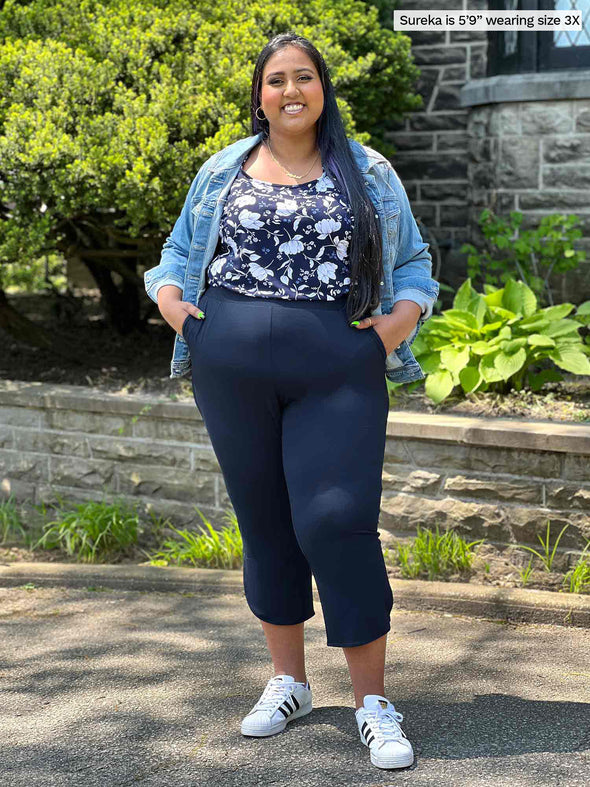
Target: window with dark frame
<point>522,51</point>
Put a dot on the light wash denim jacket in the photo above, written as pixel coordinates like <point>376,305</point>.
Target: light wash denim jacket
<point>191,246</point>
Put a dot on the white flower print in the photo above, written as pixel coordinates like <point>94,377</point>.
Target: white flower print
<point>258,271</point>
<point>326,226</point>
<point>292,246</point>
<point>284,242</point>
<point>286,207</point>
<point>250,220</point>
<point>327,271</point>
<point>325,183</point>
<point>245,199</point>
<point>341,248</point>
<point>216,267</point>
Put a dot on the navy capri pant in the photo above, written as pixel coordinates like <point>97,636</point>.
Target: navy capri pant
<point>295,403</point>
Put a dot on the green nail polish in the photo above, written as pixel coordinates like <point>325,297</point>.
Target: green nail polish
<point>356,322</point>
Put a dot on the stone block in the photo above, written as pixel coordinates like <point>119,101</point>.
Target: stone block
<point>576,467</point>
<point>405,478</point>
<point>140,451</point>
<point>23,466</point>
<point>51,442</point>
<point>84,473</point>
<point>518,166</point>
<point>546,117</point>
<point>491,459</point>
<point>500,523</point>
<point>561,495</point>
<point>186,431</point>
<point>88,422</point>
<point>573,176</point>
<point>166,482</point>
<point>6,437</point>
<point>20,416</point>
<point>515,490</point>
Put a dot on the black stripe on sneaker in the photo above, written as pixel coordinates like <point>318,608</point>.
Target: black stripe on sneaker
<point>363,727</point>
<point>370,740</point>
<point>288,706</point>
<point>284,712</point>
<point>296,703</point>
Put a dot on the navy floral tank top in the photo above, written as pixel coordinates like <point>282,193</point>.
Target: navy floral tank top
<point>279,241</point>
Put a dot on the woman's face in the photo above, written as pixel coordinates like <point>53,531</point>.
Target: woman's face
<point>289,76</point>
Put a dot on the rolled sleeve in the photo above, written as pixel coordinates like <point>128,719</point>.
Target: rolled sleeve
<point>412,266</point>
<point>176,248</point>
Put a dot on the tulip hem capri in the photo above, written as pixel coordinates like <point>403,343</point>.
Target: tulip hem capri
<point>295,403</point>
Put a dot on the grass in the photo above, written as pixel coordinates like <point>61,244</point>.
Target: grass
<point>212,549</point>
<point>91,532</point>
<point>11,526</point>
<point>434,556</point>
<point>102,531</point>
<point>548,557</point>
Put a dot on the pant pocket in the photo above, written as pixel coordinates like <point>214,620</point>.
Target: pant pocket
<point>196,327</point>
<point>185,325</point>
<point>378,340</point>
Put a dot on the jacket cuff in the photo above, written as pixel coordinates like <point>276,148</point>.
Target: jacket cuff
<point>153,289</point>
<point>423,300</point>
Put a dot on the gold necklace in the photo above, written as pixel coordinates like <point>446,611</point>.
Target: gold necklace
<point>286,171</point>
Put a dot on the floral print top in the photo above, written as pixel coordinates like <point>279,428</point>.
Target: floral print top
<point>279,241</point>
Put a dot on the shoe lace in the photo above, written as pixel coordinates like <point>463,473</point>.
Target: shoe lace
<point>387,726</point>
<point>274,694</point>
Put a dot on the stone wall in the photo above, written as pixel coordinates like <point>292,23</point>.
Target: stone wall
<point>499,479</point>
<point>514,142</point>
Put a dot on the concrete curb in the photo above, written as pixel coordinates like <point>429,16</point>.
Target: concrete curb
<point>504,604</point>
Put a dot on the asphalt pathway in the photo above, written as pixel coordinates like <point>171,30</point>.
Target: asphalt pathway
<point>141,687</point>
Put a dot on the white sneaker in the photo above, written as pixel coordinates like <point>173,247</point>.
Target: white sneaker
<point>378,723</point>
<point>282,700</point>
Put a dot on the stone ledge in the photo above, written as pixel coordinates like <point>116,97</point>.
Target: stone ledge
<point>461,598</point>
<point>544,86</point>
<point>17,393</point>
<point>497,432</point>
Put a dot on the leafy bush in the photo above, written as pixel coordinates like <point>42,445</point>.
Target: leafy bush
<point>531,255</point>
<point>499,341</point>
<point>108,109</point>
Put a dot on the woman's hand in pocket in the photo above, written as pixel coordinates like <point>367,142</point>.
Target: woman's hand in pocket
<point>393,328</point>
<point>175,311</point>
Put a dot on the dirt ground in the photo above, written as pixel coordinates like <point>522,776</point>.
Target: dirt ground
<point>140,363</point>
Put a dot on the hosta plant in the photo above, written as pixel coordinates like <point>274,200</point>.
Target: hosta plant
<point>500,340</point>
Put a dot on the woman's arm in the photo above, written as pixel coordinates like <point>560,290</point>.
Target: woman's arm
<point>176,248</point>
<point>412,265</point>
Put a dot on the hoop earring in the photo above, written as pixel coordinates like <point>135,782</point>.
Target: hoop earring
<point>256,113</point>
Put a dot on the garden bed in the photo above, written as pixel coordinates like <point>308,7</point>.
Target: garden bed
<point>491,566</point>
<point>140,363</point>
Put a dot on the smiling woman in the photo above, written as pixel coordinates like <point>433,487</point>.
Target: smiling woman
<point>289,238</point>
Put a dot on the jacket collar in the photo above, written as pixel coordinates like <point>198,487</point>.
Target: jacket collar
<point>232,156</point>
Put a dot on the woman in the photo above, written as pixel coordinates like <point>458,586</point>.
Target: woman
<point>278,279</point>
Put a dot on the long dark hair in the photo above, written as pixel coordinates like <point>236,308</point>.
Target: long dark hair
<point>365,249</point>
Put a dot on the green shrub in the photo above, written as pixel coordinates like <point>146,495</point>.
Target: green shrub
<point>500,341</point>
<point>108,109</point>
<point>529,255</point>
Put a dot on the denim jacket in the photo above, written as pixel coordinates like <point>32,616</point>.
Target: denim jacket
<point>191,246</point>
